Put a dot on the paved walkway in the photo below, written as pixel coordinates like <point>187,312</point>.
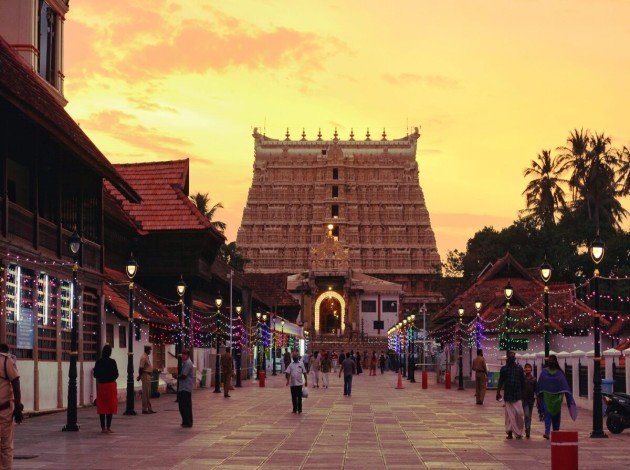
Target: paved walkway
<point>378,427</point>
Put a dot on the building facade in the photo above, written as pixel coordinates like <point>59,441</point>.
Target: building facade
<point>368,193</point>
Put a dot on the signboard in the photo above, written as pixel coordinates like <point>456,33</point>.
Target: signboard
<point>25,329</point>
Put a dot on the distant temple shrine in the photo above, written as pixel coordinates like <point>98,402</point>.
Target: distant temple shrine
<point>347,223</point>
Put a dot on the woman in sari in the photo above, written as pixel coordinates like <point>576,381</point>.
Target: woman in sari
<point>552,386</point>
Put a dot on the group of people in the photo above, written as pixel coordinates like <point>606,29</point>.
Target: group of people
<point>106,372</point>
<point>522,391</point>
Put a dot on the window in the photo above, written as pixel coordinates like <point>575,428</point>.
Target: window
<point>335,191</point>
<point>13,291</point>
<point>122,336</point>
<point>109,334</point>
<point>335,211</point>
<point>47,42</point>
<point>43,299</point>
<point>335,232</point>
<point>67,301</point>
<point>335,173</point>
<point>390,306</point>
<point>18,183</point>
<point>368,305</point>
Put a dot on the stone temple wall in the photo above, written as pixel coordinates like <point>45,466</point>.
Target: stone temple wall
<point>368,189</point>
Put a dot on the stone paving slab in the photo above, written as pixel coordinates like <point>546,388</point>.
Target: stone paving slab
<point>379,427</point>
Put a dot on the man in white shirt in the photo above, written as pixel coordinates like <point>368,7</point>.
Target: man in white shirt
<point>296,377</point>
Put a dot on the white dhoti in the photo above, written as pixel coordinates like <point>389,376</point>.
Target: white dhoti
<point>514,417</point>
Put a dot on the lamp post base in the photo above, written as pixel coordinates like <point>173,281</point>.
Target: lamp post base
<point>70,428</point>
<point>598,435</point>
<point>130,413</point>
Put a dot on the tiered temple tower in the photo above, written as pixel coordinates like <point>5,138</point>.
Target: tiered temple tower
<point>367,189</point>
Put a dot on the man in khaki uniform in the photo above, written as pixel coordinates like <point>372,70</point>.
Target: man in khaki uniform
<point>10,405</point>
<point>145,373</point>
<point>481,376</point>
<point>226,368</point>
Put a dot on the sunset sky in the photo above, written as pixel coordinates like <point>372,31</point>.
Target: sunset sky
<point>490,82</point>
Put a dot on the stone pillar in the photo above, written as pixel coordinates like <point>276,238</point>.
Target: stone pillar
<point>611,355</point>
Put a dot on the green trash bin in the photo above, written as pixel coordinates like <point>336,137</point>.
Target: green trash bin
<point>493,380</point>
<point>155,382</point>
<point>204,376</point>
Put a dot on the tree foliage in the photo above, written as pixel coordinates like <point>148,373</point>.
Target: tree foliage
<point>202,201</point>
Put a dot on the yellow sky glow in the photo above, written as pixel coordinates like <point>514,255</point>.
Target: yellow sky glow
<point>491,83</point>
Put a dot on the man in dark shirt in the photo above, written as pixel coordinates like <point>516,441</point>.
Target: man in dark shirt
<point>512,379</point>
<point>529,397</point>
<point>348,367</point>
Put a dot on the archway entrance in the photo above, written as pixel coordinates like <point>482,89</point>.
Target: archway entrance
<point>330,313</point>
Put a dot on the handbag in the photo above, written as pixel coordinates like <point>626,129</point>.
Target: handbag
<point>304,392</point>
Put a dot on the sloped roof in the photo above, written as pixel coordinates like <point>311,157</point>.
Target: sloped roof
<point>527,312</point>
<point>373,284</point>
<point>165,205</point>
<point>146,308</point>
<point>21,87</point>
<point>271,288</point>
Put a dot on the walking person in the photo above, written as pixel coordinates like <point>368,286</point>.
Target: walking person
<point>306,361</point>
<point>296,378</point>
<point>373,362</point>
<point>227,369</point>
<point>481,376</point>
<point>10,405</point>
<point>325,365</point>
<point>342,357</point>
<point>106,372</point>
<point>529,398</point>
<point>381,363</point>
<point>348,367</point>
<point>366,360</point>
<point>358,359</point>
<point>551,387</point>
<point>315,366</point>
<point>184,395</point>
<point>145,373</point>
<point>512,379</point>
<point>334,358</point>
<point>287,359</point>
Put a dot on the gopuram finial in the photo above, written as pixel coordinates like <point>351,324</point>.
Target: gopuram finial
<point>335,135</point>
<point>319,134</point>
<point>287,135</point>
<point>351,134</point>
<point>384,134</point>
<point>303,134</point>
<point>367,135</point>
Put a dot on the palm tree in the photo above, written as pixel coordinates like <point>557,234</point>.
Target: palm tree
<point>202,201</point>
<point>573,158</point>
<point>623,180</point>
<point>544,193</point>
<point>232,256</point>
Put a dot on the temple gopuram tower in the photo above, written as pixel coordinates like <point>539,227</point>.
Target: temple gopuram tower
<point>368,190</point>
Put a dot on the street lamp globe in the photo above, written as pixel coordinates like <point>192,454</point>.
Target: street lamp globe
<point>218,301</point>
<point>478,304</point>
<point>264,317</point>
<point>460,311</point>
<point>238,309</point>
<point>405,322</point>
<point>597,249</point>
<point>131,268</point>
<point>413,317</point>
<point>258,315</point>
<point>545,271</point>
<point>282,322</point>
<point>74,242</point>
<point>508,290</point>
<point>181,287</point>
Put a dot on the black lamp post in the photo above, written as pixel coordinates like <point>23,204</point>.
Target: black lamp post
<point>264,349</point>
<point>460,360</point>
<point>180,287</point>
<point>217,385</point>
<point>545,274</point>
<point>597,250</point>
<point>508,291</point>
<point>273,345</point>
<point>411,375</point>
<point>478,305</point>
<point>131,268</point>
<point>71,424</point>
<point>238,352</point>
<point>259,341</point>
